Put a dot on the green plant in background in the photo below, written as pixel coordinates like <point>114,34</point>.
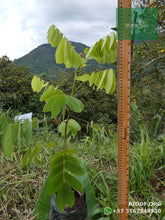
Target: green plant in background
<point>18,134</point>
<point>4,121</point>
<point>65,168</point>
<point>138,119</point>
<point>148,81</point>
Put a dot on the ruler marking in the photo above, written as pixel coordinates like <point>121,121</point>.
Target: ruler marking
<point>124,62</point>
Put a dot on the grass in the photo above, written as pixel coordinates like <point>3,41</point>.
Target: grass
<point>19,188</point>
<point>146,178</point>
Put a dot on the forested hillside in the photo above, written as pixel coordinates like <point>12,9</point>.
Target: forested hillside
<point>42,59</point>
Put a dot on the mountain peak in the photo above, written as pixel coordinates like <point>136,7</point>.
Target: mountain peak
<point>42,59</point>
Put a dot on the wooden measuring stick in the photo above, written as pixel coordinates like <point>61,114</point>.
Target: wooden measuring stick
<point>124,68</point>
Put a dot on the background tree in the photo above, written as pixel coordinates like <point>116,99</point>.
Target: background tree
<point>148,75</point>
<point>15,88</point>
<point>160,4</point>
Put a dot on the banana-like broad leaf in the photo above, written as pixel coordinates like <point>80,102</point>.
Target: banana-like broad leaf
<point>104,50</point>
<point>65,52</point>
<point>73,126</point>
<point>102,80</point>
<point>8,142</point>
<point>37,84</point>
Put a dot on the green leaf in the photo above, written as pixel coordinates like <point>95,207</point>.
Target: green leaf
<point>58,167</point>
<point>65,196</point>
<point>62,127</point>
<point>74,167</point>
<point>27,130</point>
<point>33,154</point>
<point>54,36</point>
<point>58,157</point>
<point>61,53</point>
<point>63,112</point>
<point>25,157</point>
<point>50,93</point>
<point>96,127</point>
<point>103,80</point>
<point>73,182</point>
<point>104,50</point>
<point>72,127</point>
<point>43,204</point>
<point>74,104</point>
<point>37,84</point>
<point>35,123</point>
<point>56,182</point>
<point>8,142</point>
<point>66,54</point>
<point>113,84</point>
<point>19,135</point>
<point>107,81</point>
<point>55,105</point>
<point>86,50</point>
<point>90,197</point>
<point>70,158</point>
<point>15,131</point>
<point>94,79</point>
<point>83,78</point>
<point>55,101</point>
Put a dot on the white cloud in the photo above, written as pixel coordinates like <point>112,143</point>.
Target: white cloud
<point>24,23</point>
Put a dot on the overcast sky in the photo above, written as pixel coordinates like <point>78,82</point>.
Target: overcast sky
<point>24,23</point>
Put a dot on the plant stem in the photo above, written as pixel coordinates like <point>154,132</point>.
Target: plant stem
<point>64,149</point>
<point>74,83</point>
<point>65,135</point>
